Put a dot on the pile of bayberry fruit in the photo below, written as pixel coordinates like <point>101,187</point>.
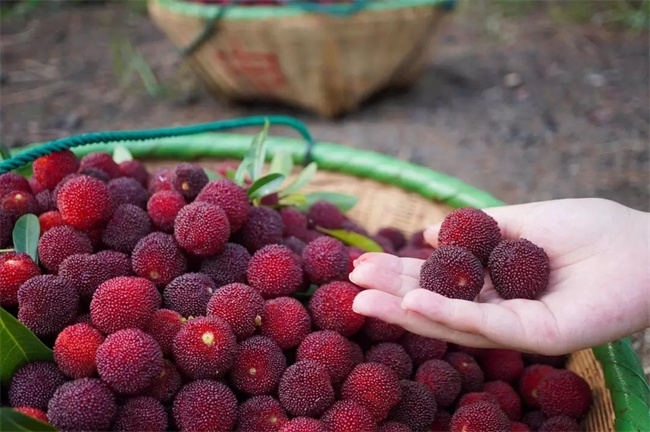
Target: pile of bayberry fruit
<point>174,303</point>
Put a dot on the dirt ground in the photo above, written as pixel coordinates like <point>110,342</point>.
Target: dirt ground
<point>526,108</point>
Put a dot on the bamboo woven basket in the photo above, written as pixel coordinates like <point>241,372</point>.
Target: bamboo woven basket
<point>327,60</point>
<point>391,192</point>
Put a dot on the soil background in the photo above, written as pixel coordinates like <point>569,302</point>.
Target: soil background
<point>525,107</point>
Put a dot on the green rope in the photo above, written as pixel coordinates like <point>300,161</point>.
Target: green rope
<point>31,155</point>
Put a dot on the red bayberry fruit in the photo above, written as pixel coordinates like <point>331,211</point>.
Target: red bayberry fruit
<point>562,392</point>
<point>126,190</point>
<point>331,350</point>
<point>472,229</point>
<point>124,302</point>
<point>258,367</point>
<point>12,182</point>
<point>394,235</point>
<point>392,355</point>
<point>49,220</point>
<point>136,170</point>
<point>422,349</point>
<point>519,427</point>
<point>84,404</point>
<point>34,384</point>
<point>86,272</point>
<point>189,179</point>
<point>84,203</point>
<point>75,348</point>
<point>453,272</point>
<point>228,266</point>
<point>158,258</point>
<point>189,294</point>
<point>264,227</point>
<point>240,306</point>
<point>348,416</point>
<point>534,419</point>
<point>304,424</point>
<point>442,379</point>
<point>160,180</point>
<point>6,227</point>
<point>59,243</point>
<point>306,389</point>
<point>471,375</point>
<point>169,381</point>
<point>201,228</point>
<point>502,365</point>
<point>117,263</point>
<point>325,259</point>
<point>508,399</point>
<point>441,423</point>
<point>231,198</point>
<point>474,397</point>
<point>163,207</point>
<point>261,413</point>
<point>529,382</point>
<point>47,304</point>
<point>51,169</point>
<point>129,361</point>
<point>286,321</point>
<point>163,326</point>
<point>45,201</point>
<point>274,272</point>
<point>141,413</point>
<point>325,215</point>
<point>417,408</point>
<point>101,161</point>
<point>559,423</point>
<point>331,308</point>
<point>15,269</point>
<point>479,417</point>
<point>205,405</point>
<point>374,386</point>
<point>381,331</point>
<point>16,204</point>
<point>519,269</point>
<point>205,348</point>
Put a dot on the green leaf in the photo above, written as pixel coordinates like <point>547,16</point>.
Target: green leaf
<point>26,233</point>
<point>265,186</point>
<point>121,154</point>
<point>4,152</point>
<point>304,297</point>
<point>303,178</point>
<point>282,163</point>
<point>230,174</point>
<point>11,420</point>
<point>212,175</point>
<point>342,201</point>
<point>18,345</point>
<point>259,147</point>
<point>293,200</point>
<point>353,239</point>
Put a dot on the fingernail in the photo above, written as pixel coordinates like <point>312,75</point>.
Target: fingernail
<point>352,277</point>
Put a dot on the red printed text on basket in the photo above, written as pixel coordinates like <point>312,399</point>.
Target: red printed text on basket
<point>259,68</point>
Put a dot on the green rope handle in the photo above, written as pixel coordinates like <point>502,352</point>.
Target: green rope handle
<point>144,135</point>
<point>211,23</point>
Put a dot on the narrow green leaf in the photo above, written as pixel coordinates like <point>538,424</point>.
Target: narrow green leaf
<point>282,163</point>
<point>342,201</point>
<point>121,154</point>
<point>259,147</point>
<point>11,420</point>
<point>245,165</point>
<point>265,186</point>
<point>18,345</point>
<point>230,174</point>
<point>304,297</point>
<point>4,152</point>
<point>25,235</point>
<point>353,239</point>
<point>303,178</point>
<point>293,200</point>
<point>212,175</point>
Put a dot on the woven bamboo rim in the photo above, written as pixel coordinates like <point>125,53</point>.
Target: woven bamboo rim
<point>622,394</point>
<point>322,62</point>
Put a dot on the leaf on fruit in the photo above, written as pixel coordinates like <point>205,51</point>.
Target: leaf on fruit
<point>304,297</point>
<point>342,201</point>
<point>259,147</point>
<point>303,178</point>
<point>293,200</point>
<point>11,420</point>
<point>18,345</point>
<point>230,174</point>
<point>353,239</point>
<point>265,186</point>
<point>282,163</point>
<point>121,154</point>
<point>25,235</point>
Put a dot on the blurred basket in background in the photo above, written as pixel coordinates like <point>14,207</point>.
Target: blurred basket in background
<point>324,58</point>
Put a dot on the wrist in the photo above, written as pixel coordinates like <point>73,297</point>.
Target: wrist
<point>642,231</point>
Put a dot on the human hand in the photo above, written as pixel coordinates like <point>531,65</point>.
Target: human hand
<point>599,286</point>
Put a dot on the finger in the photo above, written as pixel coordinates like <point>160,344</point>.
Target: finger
<point>388,308</point>
<point>405,266</point>
<point>496,323</point>
<point>372,276</point>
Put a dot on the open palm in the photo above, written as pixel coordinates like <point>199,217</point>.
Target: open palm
<point>599,288</point>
